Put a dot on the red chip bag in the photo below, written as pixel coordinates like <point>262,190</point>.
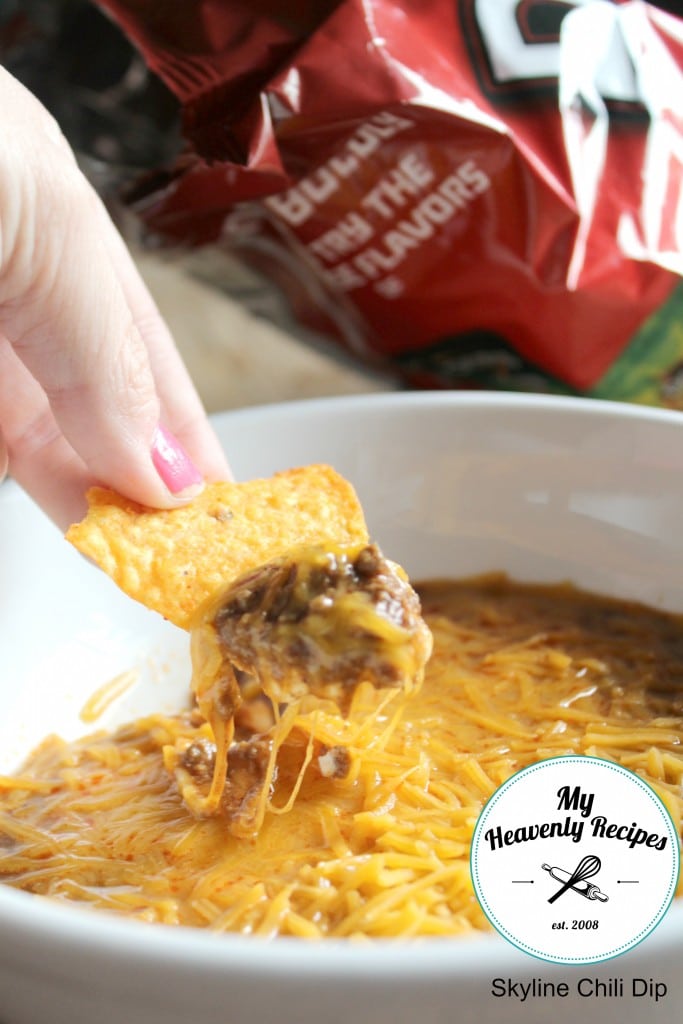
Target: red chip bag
<point>474,192</point>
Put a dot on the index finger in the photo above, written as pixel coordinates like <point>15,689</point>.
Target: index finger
<point>182,408</point>
<point>65,311</point>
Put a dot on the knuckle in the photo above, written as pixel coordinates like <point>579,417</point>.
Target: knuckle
<point>41,208</point>
<point>112,386</point>
<point>130,379</point>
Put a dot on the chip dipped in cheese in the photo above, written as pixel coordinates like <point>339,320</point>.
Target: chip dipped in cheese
<point>274,578</point>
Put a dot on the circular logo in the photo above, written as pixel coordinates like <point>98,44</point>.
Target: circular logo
<point>575,860</point>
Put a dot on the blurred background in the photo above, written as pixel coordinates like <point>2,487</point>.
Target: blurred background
<point>121,120</point>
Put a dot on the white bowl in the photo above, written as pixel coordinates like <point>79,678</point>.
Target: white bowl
<point>452,484</point>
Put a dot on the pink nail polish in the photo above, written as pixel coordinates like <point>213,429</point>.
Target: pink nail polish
<point>174,465</point>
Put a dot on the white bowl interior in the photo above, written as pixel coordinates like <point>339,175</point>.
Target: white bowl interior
<point>453,485</point>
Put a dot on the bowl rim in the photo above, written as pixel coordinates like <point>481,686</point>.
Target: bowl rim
<point>509,400</point>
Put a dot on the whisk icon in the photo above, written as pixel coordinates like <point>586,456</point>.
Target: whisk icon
<point>578,879</point>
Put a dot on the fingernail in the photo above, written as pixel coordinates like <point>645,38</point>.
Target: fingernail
<point>174,465</point>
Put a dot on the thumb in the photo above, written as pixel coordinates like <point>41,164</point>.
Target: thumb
<point>66,316</point>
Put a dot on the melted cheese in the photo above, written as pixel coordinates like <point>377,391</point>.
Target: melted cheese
<point>381,848</point>
<point>319,621</point>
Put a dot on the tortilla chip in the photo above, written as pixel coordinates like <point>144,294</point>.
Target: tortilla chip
<point>173,560</point>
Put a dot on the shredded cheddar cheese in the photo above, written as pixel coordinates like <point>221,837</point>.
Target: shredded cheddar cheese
<point>365,818</point>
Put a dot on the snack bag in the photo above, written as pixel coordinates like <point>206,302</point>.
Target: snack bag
<point>474,193</point>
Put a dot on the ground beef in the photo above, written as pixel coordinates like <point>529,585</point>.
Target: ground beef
<point>324,619</point>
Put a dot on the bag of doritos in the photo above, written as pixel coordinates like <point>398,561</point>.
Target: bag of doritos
<point>474,193</point>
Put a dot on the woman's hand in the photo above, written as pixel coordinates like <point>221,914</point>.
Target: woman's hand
<point>92,388</point>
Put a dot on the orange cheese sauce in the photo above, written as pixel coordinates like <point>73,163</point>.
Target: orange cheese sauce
<point>518,673</point>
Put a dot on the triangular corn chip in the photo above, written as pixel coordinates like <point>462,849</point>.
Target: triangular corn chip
<point>171,561</point>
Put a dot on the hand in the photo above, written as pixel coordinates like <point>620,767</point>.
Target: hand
<point>92,388</point>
